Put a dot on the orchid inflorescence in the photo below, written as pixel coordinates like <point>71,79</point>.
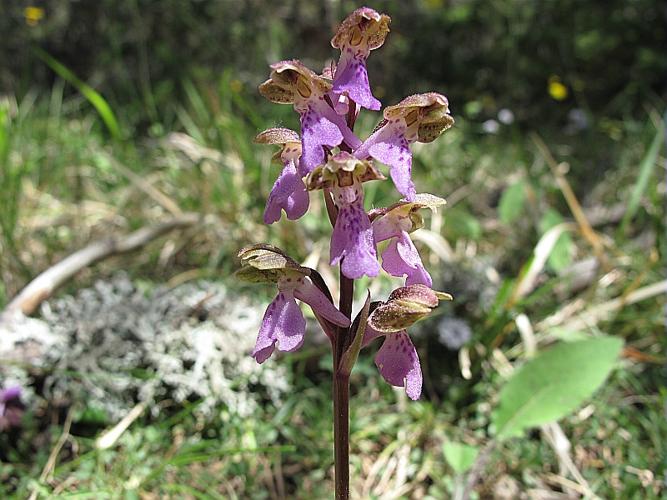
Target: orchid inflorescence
<point>327,155</point>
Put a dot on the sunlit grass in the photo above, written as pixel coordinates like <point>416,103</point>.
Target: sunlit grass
<point>64,184</point>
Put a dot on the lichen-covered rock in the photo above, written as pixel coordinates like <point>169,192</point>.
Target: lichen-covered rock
<point>117,344</point>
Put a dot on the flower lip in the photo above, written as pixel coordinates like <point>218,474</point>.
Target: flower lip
<point>291,80</point>
<point>341,170</point>
<point>362,23</point>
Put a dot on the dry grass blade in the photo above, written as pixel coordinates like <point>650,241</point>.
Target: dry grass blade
<point>53,456</point>
<point>109,437</point>
<point>162,199</point>
<point>594,314</point>
<point>541,254</point>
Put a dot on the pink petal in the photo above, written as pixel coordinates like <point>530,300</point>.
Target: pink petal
<point>316,131</point>
<point>352,77</point>
<point>10,393</point>
<point>352,242</point>
<point>289,194</point>
<point>390,146</point>
<point>283,323</point>
<point>385,228</point>
<point>402,258</point>
<point>266,339</point>
<point>291,327</point>
<point>313,296</point>
<point>398,363</point>
<point>370,334</point>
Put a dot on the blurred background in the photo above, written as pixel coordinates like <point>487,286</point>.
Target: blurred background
<point>119,116</point>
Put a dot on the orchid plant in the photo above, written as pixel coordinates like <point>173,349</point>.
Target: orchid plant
<point>327,156</point>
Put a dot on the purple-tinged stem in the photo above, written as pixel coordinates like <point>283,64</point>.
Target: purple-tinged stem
<point>341,378</point>
<point>341,396</point>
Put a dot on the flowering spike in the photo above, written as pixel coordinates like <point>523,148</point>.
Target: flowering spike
<point>362,31</point>
<point>328,106</point>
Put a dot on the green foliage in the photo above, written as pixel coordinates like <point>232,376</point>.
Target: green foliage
<point>553,384</point>
<point>512,202</point>
<point>459,223</point>
<point>645,170</point>
<point>561,253</point>
<point>459,456</point>
<point>161,69</point>
<point>609,55</point>
<point>95,99</point>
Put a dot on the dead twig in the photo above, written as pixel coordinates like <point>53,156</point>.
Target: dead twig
<point>110,436</point>
<point>43,286</point>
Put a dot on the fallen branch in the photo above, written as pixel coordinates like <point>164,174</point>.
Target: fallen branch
<point>43,286</point>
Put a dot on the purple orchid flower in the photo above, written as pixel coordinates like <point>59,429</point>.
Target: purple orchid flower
<point>362,31</point>
<point>397,360</point>
<point>11,408</point>
<point>401,258</point>
<point>283,322</point>
<point>420,117</point>
<point>289,191</point>
<point>293,83</point>
<point>352,244</point>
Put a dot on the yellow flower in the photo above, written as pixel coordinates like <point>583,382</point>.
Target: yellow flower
<point>33,15</point>
<point>557,90</point>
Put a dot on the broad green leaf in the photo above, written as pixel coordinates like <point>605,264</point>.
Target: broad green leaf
<point>561,254</point>
<point>460,457</point>
<point>512,202</point>
<point>553,384</point>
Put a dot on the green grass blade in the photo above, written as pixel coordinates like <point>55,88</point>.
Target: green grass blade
<point>93,97</point>
<point>645,171</point>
